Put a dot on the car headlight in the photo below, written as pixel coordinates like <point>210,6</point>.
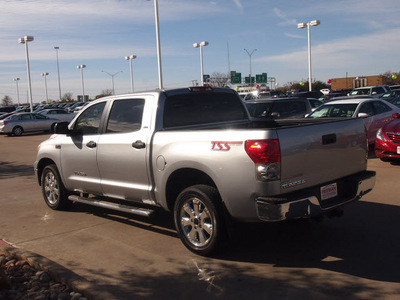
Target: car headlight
<point>379,135</point>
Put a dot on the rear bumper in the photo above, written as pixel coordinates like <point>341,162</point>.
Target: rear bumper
<point>307,203</point>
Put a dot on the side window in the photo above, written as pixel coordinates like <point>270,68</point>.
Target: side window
<point>380,107</point>
<point>25,117</point>
<point>89,121</point>
<point>126,116</point>
<point>377,90</point>
<point>367,108</point>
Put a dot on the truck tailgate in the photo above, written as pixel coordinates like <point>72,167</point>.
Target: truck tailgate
<point>316,153</point>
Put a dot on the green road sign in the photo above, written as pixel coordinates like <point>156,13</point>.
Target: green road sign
<point>236,77</point>
<point>247,79</point>
<point>262,78</point>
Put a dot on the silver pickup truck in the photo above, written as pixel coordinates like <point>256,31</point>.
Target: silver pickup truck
<point>196,153</point>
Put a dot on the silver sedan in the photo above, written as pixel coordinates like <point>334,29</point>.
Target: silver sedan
<point>59,114</point>
<point>19,123</point>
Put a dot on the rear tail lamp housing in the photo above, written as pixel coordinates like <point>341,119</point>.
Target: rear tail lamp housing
<point>266,155</point>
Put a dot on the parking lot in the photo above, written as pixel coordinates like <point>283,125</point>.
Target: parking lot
<point>356,256</point>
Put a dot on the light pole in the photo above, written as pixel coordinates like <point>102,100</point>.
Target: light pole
<point>160,79</point>
<point>25,41</point>
<point>130,58</point>
<point>58,70</point>
<point>83,86</point>
<point>45,85</point>
<point>112,76</point>
<point>250,54</point>
<point>16,79</point>
<point>197,45</point>
<point>304,25</point>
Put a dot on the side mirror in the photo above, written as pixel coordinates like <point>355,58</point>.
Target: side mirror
<point>275,115</point>
<point>61,128</point>
<point>363,115</point>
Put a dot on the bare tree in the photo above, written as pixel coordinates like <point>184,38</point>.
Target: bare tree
<point>67,96</point>
<point>6,101</point>
<point>219,79</point>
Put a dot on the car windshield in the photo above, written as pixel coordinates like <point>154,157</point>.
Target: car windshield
<point>360,92</point>
<point>345,110</point>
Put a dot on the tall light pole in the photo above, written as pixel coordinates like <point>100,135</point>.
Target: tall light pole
<point>83,86</point>
<point>45,85</point>
<point>112,77</point>
<point>160,79</point>
<point>58,70</point>
<point>250,54</point>
<point>130,58</point>
<point>16,79</point>
<point>308,25</point>
<point>25,40</point>
<point>197,45</point>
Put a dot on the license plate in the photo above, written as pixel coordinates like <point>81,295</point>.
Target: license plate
<point>398,150</point>
<point>329,191</point>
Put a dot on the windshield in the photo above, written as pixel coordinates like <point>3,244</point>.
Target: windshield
<point>360,92</point>
<point>334,111</point>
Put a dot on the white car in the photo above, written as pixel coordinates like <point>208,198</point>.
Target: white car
<point>59,114</point>
<point>376,112</point>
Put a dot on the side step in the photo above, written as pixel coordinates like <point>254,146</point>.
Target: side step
<point>114,206</point>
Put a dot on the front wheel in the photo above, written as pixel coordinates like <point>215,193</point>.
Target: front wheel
<point>53,190</point>
<point>198,219</point>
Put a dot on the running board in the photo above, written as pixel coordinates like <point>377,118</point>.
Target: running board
<point>114,206</point>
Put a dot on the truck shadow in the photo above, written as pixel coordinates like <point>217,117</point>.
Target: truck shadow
<point>365,242</point>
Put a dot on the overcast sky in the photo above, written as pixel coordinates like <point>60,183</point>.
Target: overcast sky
<point>357,37</point>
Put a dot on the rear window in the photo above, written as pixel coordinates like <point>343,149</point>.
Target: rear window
<point>202,108</point>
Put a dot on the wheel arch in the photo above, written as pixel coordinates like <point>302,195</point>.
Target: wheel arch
<point>183,178</point>
<point>41,165</point>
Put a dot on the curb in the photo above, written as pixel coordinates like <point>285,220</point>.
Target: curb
<point>56,271</point>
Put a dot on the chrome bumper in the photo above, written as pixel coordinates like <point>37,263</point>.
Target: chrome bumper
<point>306,203</point>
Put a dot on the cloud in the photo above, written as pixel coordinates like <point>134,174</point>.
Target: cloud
<point>238,4</point>
<point>285,20</point>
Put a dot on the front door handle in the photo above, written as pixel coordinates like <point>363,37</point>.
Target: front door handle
<point>91,144</point>
<point>138,144</point>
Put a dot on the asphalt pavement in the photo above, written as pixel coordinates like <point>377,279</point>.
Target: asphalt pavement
<point>111,255</point>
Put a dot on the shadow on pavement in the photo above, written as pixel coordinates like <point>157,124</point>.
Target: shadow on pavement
<point>364,244</point>
<point>13,169</point>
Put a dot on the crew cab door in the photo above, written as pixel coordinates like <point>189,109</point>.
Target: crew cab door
<point>122,151</point>
<point>79,149</point>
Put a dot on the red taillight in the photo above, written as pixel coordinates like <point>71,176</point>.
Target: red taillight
<point>263,151</point>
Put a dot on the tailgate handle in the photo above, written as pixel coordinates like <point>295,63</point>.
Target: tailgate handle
<point>329,139</point>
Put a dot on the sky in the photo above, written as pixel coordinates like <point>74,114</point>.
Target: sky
<point>355,38</point>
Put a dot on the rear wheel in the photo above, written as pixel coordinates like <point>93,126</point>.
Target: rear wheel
<point>198,219</point>
<point>54,193</point>
<point>17,131</point>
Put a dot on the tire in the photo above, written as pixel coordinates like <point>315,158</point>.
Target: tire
<point>17,131</point>
<point>54,193</point>
<point>198,219</point>
<point>52,127</point>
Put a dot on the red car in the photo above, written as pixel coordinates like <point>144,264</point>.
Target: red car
<point>387,143</point>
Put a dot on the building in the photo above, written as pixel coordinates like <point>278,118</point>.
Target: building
<point>355,82</point>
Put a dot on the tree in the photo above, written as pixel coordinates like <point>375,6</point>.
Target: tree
<point>219,79</point>
<point>6,101</point>
<point>105,93</point>
<point>67,97</point>
<point>391,78</point>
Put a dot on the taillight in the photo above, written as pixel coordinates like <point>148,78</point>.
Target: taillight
<point>266,154</point>
<point>263,151</point>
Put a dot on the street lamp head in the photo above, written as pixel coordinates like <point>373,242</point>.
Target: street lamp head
<point>315,23</point>
<point>56,47</point>
<point>45,74</point>
<point>81,66</point>
<point>16,78</point>
<point>130,57</point>
<point>196,45</point>
<point>301,25</point>
<point>25,39</point>
<point>204,44</point>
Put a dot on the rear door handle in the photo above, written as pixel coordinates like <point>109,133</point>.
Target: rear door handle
<point>91,144</point>
<point>138,144</point>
